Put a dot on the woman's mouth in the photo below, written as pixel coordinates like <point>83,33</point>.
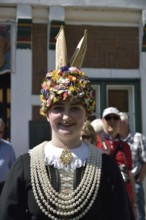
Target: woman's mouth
<point>66,124</point>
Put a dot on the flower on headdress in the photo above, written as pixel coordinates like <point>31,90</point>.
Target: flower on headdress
<point>64,68</point>
<point>74,69</point>
<point>45,85</point>
<point>67,82</point>
<point>71,88</point>
<point>65,94</point>
<point>49,101</point>
<point>81,94</point>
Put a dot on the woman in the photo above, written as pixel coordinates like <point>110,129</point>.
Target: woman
<point>88,133</point>
<point>65,178</point>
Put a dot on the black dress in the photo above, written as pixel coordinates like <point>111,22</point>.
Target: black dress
<point>18,202</point>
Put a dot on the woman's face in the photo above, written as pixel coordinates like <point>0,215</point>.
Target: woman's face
<point>86,136</point>
<point>66,119</point>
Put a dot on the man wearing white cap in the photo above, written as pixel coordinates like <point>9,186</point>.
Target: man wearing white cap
<point>137,142</point>
<point>111,121</point>
<point>110,143</point>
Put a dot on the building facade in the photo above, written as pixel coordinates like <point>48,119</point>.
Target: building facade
<point>115,60</point>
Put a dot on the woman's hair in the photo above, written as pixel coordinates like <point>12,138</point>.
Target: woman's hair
<point>67,83</point>
<point>89,130</point>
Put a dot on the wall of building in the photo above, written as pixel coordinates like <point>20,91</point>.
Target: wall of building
<point>22,60</point>
<point>103,3</point>
<point>124,13</point>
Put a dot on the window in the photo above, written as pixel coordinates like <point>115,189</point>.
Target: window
<point>122,97</point>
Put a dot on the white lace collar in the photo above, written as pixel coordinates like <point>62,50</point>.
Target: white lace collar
<point>80,155</point>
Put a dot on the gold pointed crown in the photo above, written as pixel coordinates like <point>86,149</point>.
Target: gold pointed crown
<point>61,51</point>
<point>67,80</point>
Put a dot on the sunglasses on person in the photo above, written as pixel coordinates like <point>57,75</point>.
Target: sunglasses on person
<point>86,136</point>
<point>114,117</point>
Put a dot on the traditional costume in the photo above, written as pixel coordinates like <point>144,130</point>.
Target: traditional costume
<point>52,183</point>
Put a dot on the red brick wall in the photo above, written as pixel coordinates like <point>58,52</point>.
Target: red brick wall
<point>39,65</point>
<point>108,47</point>
<point>39,55</point>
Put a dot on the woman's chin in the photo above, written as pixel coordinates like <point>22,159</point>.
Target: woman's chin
<point>65,132</point>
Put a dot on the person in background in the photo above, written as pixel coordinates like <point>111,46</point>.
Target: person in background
<point>65,178</point>
<point>88,133</point>
<point>111,144</point>
<point>97,124</point>
<point>137,142</point>
<point>7,156</point>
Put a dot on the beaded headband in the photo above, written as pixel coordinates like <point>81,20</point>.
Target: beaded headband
<point>67,82</point>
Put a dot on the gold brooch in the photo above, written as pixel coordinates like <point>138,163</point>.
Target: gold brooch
<point>66,156</point>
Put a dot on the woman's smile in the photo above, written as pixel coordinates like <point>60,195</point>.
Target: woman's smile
<point>66,125</point>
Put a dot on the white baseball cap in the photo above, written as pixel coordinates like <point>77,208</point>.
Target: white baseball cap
<point>110,110</point>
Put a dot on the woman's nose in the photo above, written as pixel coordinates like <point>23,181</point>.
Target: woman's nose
<point>66,114</point>
<point>65,117</point>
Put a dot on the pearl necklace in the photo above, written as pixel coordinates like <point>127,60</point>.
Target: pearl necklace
<point>54,204</point>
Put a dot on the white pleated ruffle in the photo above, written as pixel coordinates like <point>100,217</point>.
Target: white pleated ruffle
<point>53,153</point>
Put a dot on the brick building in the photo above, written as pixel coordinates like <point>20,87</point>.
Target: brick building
<point>114,62</point>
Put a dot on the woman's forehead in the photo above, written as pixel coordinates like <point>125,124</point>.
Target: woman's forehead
<point>69,102</point>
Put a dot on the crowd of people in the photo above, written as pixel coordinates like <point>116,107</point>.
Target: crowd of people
<point>128,149</point>
<point>88,170</point>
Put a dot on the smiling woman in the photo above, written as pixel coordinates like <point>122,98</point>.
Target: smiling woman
<point>66,118</point>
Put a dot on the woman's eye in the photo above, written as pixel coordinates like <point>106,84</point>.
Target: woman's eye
<point>58,108</point>
<point>75,108</point>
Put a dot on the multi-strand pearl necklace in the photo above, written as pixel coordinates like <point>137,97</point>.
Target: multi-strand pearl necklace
<point>56,205</point>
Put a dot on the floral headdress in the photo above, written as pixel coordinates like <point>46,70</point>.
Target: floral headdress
<point>67,82</point>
